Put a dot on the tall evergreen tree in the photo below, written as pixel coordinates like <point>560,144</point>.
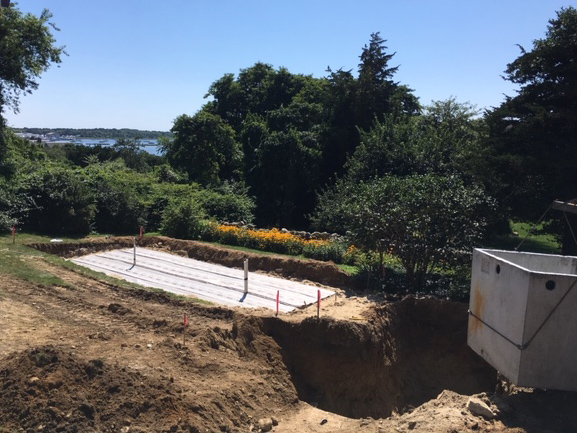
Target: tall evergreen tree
<point>377,94</point>
<point>534,133</point>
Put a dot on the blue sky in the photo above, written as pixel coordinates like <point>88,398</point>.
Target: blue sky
<point>141,63</point>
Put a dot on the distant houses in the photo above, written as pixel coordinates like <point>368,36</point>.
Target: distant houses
<point>49,140</point>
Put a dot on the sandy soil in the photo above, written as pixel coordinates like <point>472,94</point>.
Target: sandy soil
<point>93,357</point>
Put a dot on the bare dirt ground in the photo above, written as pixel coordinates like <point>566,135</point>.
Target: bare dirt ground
<point>93,357</point>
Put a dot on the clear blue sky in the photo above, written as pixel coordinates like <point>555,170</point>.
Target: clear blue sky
<point>141,63</point>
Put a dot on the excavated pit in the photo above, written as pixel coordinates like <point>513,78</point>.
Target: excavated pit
<point>405,355</point>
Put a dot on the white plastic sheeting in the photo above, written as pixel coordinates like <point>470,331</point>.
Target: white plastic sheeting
<point>214,283</point>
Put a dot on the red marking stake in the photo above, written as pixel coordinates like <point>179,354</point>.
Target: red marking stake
<point>141,232</point>
<point>277,300</point>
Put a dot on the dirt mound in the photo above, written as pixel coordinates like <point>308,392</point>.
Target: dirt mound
<point>525,410</point>
<point>287,267</point>
<point>50,390</point>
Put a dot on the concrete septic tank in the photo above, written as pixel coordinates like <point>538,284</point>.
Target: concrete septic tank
<point>523,316</point>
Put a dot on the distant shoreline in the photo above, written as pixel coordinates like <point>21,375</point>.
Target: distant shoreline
<point>95,133</point>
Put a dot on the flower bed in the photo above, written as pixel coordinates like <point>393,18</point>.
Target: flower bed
<point>277,241</point>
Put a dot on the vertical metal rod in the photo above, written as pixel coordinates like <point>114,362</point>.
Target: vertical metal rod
<point>134,261</point>
<point>245,276</point>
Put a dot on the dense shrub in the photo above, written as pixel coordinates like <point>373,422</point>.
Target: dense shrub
<point>63,202</point>
<point>12,206</point>
<point>229,202</point>
<point>325,251</point>
<point>119,194</point>
<point>426,221</point>
<point>183,219</point>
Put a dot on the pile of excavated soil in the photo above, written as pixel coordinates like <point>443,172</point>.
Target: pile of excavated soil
<point>51,389</point>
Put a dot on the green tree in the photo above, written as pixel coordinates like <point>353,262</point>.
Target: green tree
<point>424,220</point>
<point>377,93</point>
<point>229,100</point>
<point>446,139</point>
<point>132,152</point>
<point>119,195</point>
<point>342,136</point>
<point>286,176</point>
<point>26,50</point>
<point>229,202</point>
<point>204,146</point>
<point>283,119</point>
<point>183,218</point>
<point>534,133</point>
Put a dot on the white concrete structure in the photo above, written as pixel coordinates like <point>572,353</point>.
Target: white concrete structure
<point>523,316</point>
<point>207,281</point>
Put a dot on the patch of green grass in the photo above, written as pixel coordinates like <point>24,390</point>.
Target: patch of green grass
<point>18,260</point>
<point>247,250</point>
<point>349,269</point>
<point>30,238</point>
<point>535,241</point>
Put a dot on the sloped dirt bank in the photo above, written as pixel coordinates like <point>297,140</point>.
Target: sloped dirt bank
<point>406,354</point>
<point>287,267</point>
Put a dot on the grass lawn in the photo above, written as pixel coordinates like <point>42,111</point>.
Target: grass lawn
<point>535,241</point>
<point>19,260</point>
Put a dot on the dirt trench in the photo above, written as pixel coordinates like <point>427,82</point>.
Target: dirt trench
<point>406,354</point>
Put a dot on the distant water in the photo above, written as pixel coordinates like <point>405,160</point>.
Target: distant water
<point>150,145</point>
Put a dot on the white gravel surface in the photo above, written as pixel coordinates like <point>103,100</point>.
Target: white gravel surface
<point>207,281</point>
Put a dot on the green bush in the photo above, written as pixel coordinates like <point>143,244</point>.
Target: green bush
<point>63,201</point>
<point>119,193</point>
<point>184,219</point>
<point>12,205</point>
<point>229,202</point>
<point>333,251</point>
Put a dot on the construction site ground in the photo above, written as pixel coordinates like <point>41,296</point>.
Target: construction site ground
<point>91,356</point>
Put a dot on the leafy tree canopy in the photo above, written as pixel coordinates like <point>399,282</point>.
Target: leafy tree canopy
<point>423,220</point>
<point>27,50</point>
<point>205,147</point>
<point>445,139</point>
